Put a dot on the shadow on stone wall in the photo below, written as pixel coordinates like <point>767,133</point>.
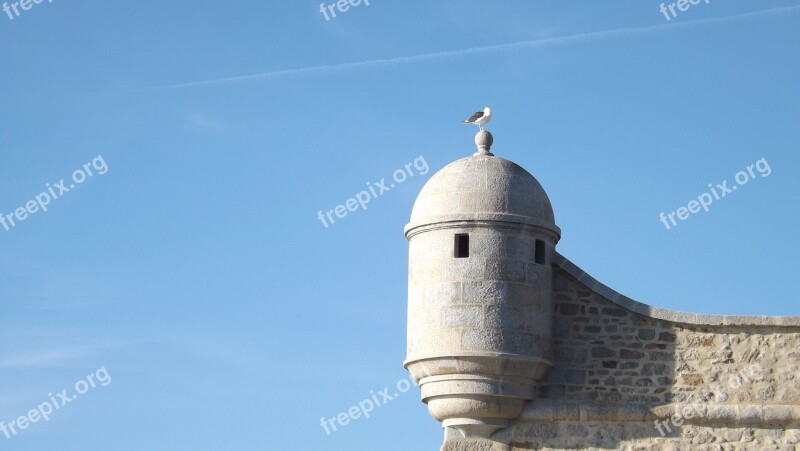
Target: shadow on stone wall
<point>605,357</point>
<point>619,377</point>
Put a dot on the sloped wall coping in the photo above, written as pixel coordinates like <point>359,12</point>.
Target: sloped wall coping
<point>669,315</point>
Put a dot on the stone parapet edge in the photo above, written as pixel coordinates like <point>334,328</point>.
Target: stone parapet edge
<point>668,315</point>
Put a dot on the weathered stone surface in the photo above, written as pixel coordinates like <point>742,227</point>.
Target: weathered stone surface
<point>532,354</point>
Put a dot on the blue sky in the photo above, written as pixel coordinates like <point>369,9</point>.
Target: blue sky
<point>195,270</point>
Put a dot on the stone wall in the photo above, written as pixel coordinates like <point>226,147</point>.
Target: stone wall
<point>630,376</point>
<point>636,436</point>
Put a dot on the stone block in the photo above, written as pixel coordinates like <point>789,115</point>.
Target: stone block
<point>501,341</point>
<point>440,341</point>
<point>486,246</point>
<point>485,292</point>
<point>647,334</point>
<point>569,309</point>
<point>462,316</point>
<point>426,272</point>
<point>629,354</point>
<point>505,317</point>
<point>575,377</point>
<point>536,275</point>
<point>523,204</point>
<point>615,312</point>
<point>602,352</point>
<point>520,248</point>
<point>458,269</point>
<point>509,270</point>
<point>442,293</point>
<point>482,201</point>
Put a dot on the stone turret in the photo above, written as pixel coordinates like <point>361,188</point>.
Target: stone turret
<point>516,347</point>
<point>481,239</point>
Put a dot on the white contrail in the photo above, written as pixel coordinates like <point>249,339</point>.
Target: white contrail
<point>477,50</point>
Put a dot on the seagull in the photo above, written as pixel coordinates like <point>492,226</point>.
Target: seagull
<point>480,118</point>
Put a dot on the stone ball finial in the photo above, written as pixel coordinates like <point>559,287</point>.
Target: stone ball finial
<point>484,140</point>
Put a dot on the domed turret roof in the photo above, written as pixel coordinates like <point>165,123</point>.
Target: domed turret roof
<point>483,187</point>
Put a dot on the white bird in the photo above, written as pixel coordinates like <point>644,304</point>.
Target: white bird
<point>480,118</point>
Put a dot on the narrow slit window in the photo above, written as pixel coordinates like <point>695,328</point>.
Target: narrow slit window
<point>462,245</point>
<point>539,252</point>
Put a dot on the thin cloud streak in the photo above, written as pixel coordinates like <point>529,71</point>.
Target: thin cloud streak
<point>595,35</point>
<point>20,358</point>
<point>40,358</point>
